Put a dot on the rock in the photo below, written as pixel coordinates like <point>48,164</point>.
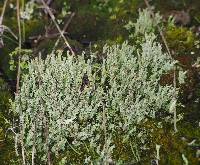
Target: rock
<point>180,17</point>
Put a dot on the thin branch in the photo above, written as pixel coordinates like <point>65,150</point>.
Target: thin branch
<point>3,11</point>
<point>5,134</point>
<point>9,38</point>
<point>49,2</point>
<point>23,21</point>
<point>18,80</point>
<point>64,29</point>
<point>42,37</point>
<point>68,22</point>
<point>3,28</point>
<point>20,46</point>
<point>57,26</point>
<point>1,21</point>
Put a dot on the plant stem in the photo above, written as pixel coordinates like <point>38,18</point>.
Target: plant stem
<point>64,29</point>
<point>175,97</point>
<point>3,11</point>
<point>18,80</point>
<point>46,129</point>
<point>105,134</point>
<point>33,148</point>
<point>23,23</point>
<point>20,45</point>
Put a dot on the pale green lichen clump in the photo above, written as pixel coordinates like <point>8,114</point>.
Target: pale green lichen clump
<point>145,24</point>
<point>65,102</point>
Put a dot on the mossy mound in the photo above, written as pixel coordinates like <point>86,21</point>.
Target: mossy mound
<point>7,155</point>
<point>180,40</point>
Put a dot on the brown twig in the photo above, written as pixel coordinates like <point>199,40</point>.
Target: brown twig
<point>20,46</point>
<point>3,28</point>
<point>64,29</point>
<point>46,7</point>
<point>1,21</point>
<point>168,50</point>
<point>49,2</point>
<point>42,37</point>
<point>50,36</point>
<point>60,35</point>
<point>18,80</point>
<point>3,11</point>
<point>68,22</point>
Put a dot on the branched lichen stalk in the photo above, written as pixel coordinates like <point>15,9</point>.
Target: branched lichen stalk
<point>169,52</point>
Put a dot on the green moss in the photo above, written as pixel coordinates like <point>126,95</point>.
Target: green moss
<point>34,27</point>
<point>180,39</point>
<point>7,154</point>
<point>5,95</point>
<point>173,145</point>
<point>172,148</point>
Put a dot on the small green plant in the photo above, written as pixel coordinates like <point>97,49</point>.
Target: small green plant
<point>24,55</point>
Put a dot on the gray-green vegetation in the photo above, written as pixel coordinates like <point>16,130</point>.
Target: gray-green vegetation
<point>64,98</point>
<point>99,82</point>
